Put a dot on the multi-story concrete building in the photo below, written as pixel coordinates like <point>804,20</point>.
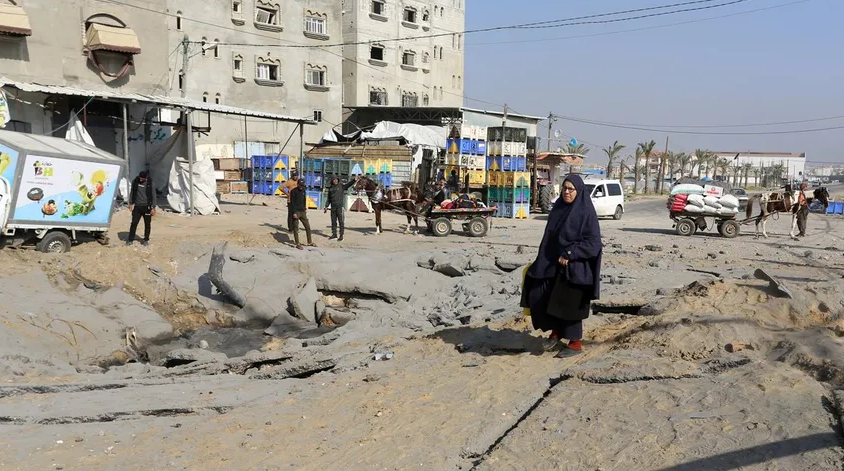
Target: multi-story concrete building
<point>424,68</point>
<point>254,54</point>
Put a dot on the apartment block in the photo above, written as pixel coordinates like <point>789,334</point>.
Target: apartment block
<point>422,69</point>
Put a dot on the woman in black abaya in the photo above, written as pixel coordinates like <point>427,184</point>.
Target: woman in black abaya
<point>565,278</point>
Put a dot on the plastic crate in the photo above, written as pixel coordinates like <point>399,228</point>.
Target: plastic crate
<point>522,179</point>
<point>314,180</point>
<point>281,176</point>
<point>836,207</point>
<point>260,174</point>
<point>481,148</point>
<point>519,164</point>
<point>494,163</point>
<point>312,165</point>
<point>262,188</point>
<point>512,210</point>
<point>385,179</point>
<point>358,167</point>
<point>313,199</point>
<point>507,163</point>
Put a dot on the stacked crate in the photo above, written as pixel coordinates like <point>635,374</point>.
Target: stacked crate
<point>380,170</point>
<point>269,173</point>
<point>466,155</point>
<point>313,172</point>
<point>509,180</point>
<point>230,174</point>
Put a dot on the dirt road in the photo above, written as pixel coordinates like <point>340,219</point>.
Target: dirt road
<point>716,370</point>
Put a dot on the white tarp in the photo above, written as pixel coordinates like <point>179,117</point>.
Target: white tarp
<point>160,163</point>
<point>415,134</point>
<point>205,187</point>
<point>77,132</point>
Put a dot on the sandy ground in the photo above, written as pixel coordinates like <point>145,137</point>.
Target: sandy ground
<point>718,371</point>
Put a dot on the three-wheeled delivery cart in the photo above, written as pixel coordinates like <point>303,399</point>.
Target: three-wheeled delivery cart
<point>53,190</point>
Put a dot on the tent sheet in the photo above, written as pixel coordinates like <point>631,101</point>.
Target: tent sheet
<point>205,187</point>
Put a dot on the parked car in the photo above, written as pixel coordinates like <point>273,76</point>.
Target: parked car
<point>742,196</point>
<point>607,197</point>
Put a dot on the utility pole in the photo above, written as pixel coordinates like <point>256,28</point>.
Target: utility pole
<point>552,118</point>
<point>662,163</point>
<point>188,124</point>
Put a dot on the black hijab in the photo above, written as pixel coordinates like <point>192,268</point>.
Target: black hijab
<point>568,224</point>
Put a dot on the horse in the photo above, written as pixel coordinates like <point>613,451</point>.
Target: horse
<point>403,199</point>
<point>771,203</point>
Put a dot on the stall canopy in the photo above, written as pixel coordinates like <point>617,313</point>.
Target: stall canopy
<point>14,21</point>
<point>111,38</point>
<point>412,134</point>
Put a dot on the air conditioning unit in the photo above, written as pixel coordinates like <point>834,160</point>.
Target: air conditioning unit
<point>168,117</point>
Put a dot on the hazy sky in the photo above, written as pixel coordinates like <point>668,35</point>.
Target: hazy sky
<point>783,64</point>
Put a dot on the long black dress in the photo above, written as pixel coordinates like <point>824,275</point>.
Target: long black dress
<point>557,305</point>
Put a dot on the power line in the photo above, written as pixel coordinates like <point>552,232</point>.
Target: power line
<point>710,133</point>
<point>645,28</point>
<point>560,23</point>
<point>812,120</point>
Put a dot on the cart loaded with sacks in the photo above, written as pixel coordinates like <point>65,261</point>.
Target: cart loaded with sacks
<point>695,208</point>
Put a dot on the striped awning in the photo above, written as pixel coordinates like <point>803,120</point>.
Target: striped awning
<point>14,21</point>
<point>111,38</point>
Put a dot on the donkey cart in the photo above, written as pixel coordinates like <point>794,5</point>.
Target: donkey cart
<point>476,221</point>
<point>687,223</point>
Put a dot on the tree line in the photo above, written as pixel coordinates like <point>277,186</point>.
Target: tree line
<point>699,164</point>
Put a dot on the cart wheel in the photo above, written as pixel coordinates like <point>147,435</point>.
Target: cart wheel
<point>54,242</point>
<point>686,227</point>
<point>441,227</point>
<point>729,229</point>
<point>478,227</point>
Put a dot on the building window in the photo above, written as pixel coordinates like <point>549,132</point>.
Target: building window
<point>409,100</point>
<point>267,72</point>
<point>318,116</point>
<point>408,58</point>
<point>378,97</point>
<point>205,97</point>
<point>267,16</point>
<point>178,21</point>
<point>181,80</point>
<point>425,58</point>
<point>216,49</point>
<point>315,77</point>
<point>441,53</point>
<point>237,7</point>
<point>237,67</point>
<point>218,99</point>
<point>378,8</point>
<point>315,25</point>
<point>453,81</point>
<point>203,49</point>
<point>459,42</point>
<point>376,53</point>
<point>409,15</point>
<point>425,100</point>
<point>426,17</point>
<point>442,12</point>
<point>459,81</point>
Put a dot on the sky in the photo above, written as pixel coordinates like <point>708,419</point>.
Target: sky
<point>781,64</point>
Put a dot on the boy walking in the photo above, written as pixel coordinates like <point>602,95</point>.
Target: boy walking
<point>299,206</point>
<point>335,202</point>
<point>142,204</point>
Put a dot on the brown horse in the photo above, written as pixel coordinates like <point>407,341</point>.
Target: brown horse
<point>771,203</point>
<point>404,199</point>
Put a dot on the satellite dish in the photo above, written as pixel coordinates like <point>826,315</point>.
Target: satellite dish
<point>557,133</point>
<point>573,142</point>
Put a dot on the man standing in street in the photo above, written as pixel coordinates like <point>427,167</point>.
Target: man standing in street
<point>335,202</point>
<point>802,209</point>
<point>288,186</point>
<point>142,205</point>
<point>299,206</point>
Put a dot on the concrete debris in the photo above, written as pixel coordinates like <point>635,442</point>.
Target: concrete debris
<point>511,263</point>
<point>653,248</point>
<point>183,356</point>
<point>780,288</point>
<point>215,274</point>
<point>303,303</point>
<point>242,258</point>
<point>383,356</point>
<point>735,346</point>
<point>297,369</point>
<point>449,268</point>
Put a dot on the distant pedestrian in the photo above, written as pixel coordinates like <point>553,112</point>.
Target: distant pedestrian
<point>335,201</point>
<point>299,206</point>
<point>802,209</point>
<point>142,204</point>
<point>565,277</point>
<point>286,188</point>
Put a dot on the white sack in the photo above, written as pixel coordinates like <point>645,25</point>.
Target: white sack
<point>728,211</point>
<point>688,189</point>
<point>690,208</point>
<point>695,200</point>
<point>711,201</point>
<point>729,201</point>
<point>710,210</point>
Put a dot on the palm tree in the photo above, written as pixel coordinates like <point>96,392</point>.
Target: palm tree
<point>747,168</point>
<point>757,175</point>
<point>675,160</point>
<point>719,164</point>
<point>636,170</point>
<point>579,149</point>
<point>647,149</point>
<point>612,154</point>
<point>686,161</point>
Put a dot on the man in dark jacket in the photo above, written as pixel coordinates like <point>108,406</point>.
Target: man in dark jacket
<point>335,202</point>
<point>299,206</point>
<point>142,204</point>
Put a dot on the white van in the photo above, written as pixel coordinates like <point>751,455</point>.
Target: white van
<point>607,197</point>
